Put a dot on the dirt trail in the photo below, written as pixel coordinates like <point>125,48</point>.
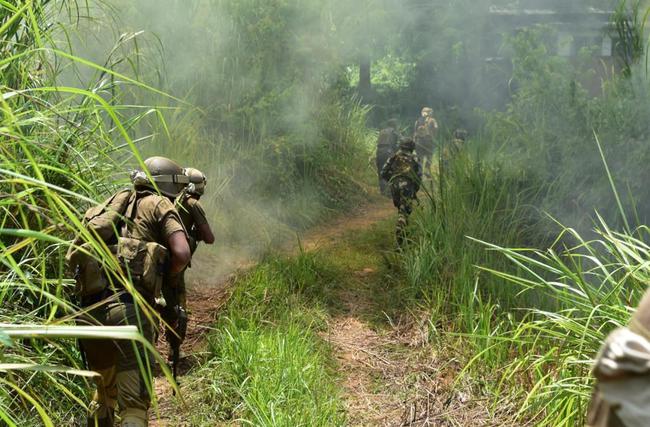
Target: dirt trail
<point>392,375</point>
<point>205,298</point>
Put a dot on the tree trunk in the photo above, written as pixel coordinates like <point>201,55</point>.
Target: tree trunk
<point>365,85</point>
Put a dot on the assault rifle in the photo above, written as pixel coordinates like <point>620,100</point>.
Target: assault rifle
<point>176,337</point>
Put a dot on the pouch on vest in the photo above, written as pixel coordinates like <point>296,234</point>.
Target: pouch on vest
<point>402,167</point>
<point>88,272</point>
<point>143,262</point>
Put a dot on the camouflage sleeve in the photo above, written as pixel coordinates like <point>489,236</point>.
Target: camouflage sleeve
<point>386,170</point>
<point>197,212</point>
<point>170,220</point>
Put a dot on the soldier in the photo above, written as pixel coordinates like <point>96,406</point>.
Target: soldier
<point>454,147</point>
<point>386,146</point>
<point>403,173</point>
<point>195,221</point>
<point>144,231</point>
<point>622,369</point>
<point>426,129</point>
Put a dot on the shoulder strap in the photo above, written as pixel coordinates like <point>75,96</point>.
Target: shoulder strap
<point>129,214</point>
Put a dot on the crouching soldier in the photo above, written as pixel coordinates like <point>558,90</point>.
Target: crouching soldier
<point>622,396</point>
<point>196,223</point>
<point>452,149</point>
<point>145,234</point>
<point>404,175</point>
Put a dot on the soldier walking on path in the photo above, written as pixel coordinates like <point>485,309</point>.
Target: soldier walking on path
<point>426,130</point>
<point>387,143</point>
<point>403,173</point>
<point>198,229</point>
<point>622,369</point>
<point>144,232</point>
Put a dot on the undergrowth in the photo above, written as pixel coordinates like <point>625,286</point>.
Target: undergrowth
<point>266,363</point>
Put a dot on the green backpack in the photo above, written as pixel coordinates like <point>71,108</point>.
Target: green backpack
<point>143,262</point>
<point>102,221</point>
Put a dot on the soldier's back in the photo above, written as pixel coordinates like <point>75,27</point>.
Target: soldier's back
<point>150,221</point>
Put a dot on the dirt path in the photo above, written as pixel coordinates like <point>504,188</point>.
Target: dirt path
<point>391,373</point>
<point>207,296</point>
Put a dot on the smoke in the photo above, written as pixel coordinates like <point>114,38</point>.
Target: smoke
<point>266,78</point>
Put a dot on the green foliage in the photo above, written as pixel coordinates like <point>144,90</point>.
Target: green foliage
<point>389,73</point>
<point>267,363</point>
<point>548,128</point>
<point>629,23</point>
<point>273,130</point>
<point>61,148</point>
<point>481,198</point>
<point>531,320</point>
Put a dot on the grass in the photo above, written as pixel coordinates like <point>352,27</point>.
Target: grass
<point>59,150</point>
<point>267,364</point>
<point>529,312</point>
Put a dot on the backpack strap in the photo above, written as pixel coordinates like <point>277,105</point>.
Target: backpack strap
<point>129,214</point>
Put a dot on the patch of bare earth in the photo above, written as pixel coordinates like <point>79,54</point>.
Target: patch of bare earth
<point>392,375</point>
<point>396,378</point>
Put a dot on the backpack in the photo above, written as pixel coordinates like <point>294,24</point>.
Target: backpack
<point>142,261</point>
<point>402,166</point>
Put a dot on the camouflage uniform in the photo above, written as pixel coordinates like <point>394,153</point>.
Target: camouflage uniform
<point>622,368</point>
<point>402,171</point>
<point>121,363</point>
<point>386,146</point>
<point>426,128</point>
<point>453,148</point>
<point>192,216</point>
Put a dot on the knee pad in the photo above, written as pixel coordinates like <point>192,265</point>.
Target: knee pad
<point>131,417</point>
<point>132,391</point>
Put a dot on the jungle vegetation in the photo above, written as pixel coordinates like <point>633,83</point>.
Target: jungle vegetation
<point>279,102</point>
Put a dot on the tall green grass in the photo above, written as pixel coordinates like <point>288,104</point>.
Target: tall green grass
<point>266,363</point>
<point>61,149</point>
<point>594,286</point>
<point>529,320</point>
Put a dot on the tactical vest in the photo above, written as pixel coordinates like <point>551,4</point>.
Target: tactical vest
<point>424,128</point>
<point>140,261</point>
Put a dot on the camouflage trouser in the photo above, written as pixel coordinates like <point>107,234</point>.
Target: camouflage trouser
<point>175,295</point>
<point>123,365</point>
<point>404,196</point>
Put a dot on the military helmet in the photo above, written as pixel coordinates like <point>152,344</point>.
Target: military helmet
<point>407,144</point>
<point>197,183</point>
<point>167,175</point>
<point>427,111</point>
